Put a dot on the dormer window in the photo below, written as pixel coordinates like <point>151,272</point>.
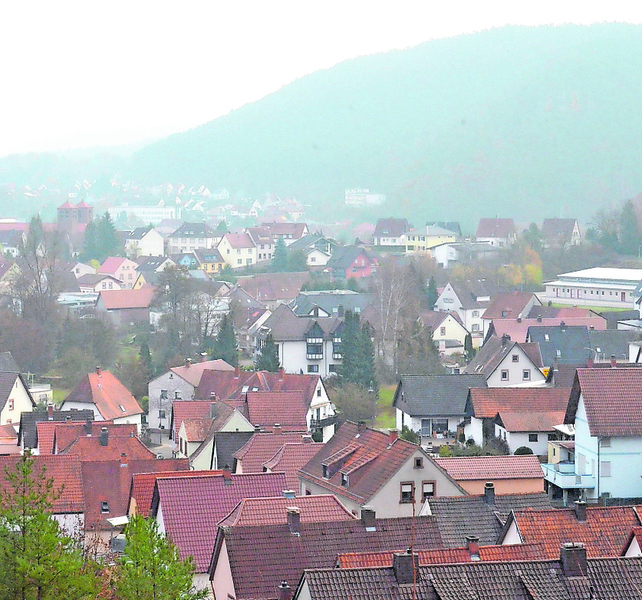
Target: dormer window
<point>104,507</point>
<point>326,472</point>
<point>345,480</point>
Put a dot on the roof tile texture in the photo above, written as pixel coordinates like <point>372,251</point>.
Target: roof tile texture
<point>489,468</point>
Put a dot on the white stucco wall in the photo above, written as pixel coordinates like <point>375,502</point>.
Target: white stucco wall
<point>516,439</point>
<point>21,403</point>
<point>222,582</point>
<point>475,430</point>
<point>515,371</point>
<point>172,383</point>
<point>292,355</point>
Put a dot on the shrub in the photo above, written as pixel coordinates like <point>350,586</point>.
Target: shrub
<point>523,450</point>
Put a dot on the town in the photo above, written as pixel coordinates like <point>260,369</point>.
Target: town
<point>310,410</point>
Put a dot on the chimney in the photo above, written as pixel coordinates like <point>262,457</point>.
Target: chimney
<point>580,510</point>
<point>277,428</point>
<point>104,436</point>
<point>562,326</point>
<point>472,545</point>
<point>98,371</point>
<point>50,412</point>
<point>393,434</point>
<point>237,372</point>
<point>188,362</point>
<point>505,339</point>
<point>489,493</point>
<point>362,427</point>
<point>573,559</point>
<point>519,319</point>
<point>368,518</point>
<point>539,318</point>
<point>294,520</point>
<point>87,427</point>
<point>613,362</point>
<point>289,494</point>
<point>281,373</point>
<point>124,461</point>
<point>406,567</point>
<point>589,363</point>
<point>307,439</point>
<point>284,591</point>
<point>203,357</point>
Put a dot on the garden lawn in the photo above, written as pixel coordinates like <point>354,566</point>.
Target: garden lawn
<point>385,413</point>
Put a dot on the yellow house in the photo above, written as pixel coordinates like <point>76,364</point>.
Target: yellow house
<point>209,261</point>
<point>421,240</point>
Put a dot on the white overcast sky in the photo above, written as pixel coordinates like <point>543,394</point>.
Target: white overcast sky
<point>94,72</point>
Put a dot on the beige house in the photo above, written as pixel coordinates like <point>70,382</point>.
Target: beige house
<point>238,250</point>
<point>15,398</point>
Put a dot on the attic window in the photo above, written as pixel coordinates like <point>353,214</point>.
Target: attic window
<point>345,480</point>
<point>104,507</point>
<point>546,338</point>
<point>122,408</point>
<point>326,472</point>
<point>419,462</point>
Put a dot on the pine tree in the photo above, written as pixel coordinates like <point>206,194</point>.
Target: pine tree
<point>432,293</point>
<point>225,345</point>
<point>630,241</point>
<point>90,246</point>
<point>358,365</point>
<point>107,242</point>
<point>469,350</point>
<point>280,258</point>
<point>268,358</point>
<point>151,569</point>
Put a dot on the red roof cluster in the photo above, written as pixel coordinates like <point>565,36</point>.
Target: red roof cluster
<point>261,447</point>
<point>487,402</point>
<point>489,468</point>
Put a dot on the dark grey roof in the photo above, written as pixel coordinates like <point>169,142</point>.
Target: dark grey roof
<point>343,257</point>
<point>193,230</point>
<point>611,342</point>
<point>139,233</point>
<point>493,352</point>
<point>390,227</point>
<point>449,225</point>
<point>229,442</point>
<point>286,326</point>
<point>435,395</point>
<point>7,381</point>
<point>28,421</point>
<point>330,301</point>
<point>313,240</point>
<point>150,263</point>
<point>568,344</point>
<point>459,516</point>
<point>8,363</point>
<point>614,316</point>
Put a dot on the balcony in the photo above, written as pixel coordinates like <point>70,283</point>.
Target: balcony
<point>337,355</point>
<point>310,356</point>
<point>563,476</point>
<point>316,424</point>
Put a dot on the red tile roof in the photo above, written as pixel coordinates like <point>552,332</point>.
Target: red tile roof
<point>287,408</point>
<point>500,228</point>
<point>612,399</point>
<point>261,447</point>
<point>508,306</point>
<point>487,402</point>
<point>143,484</point>
<point>65,434</point>
<point>196,430</point>
<point>444,556</point>
<point>489,468</point>
<point>189,409</point>
<point>531,421</point>
<point>518,329</point>
<point>46,434</point>
<point>192,507</point>
<point>66,474</point>
<point>604,532</point>
<point>122,299</point>
<point>239,240</point>
<point>111,265</point>
<point>112,399</point>
<point>273,511</point>
<point>122,448</point>
<point>194,372</point>
<point>290,458</point>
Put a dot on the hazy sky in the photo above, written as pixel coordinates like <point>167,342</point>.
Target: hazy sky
<point>89,73</point>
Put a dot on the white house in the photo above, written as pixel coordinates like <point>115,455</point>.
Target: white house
<point>144,241</point>
<point>469,305</point>
<point>15,398</point>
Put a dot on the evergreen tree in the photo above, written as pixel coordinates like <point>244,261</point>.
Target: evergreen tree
<point>146,357</point>
<point>629,232</point>
<point>358,365</point>
<point>268,358</point>
<point>416,351</point>
<point>432,293</point>
<point>151,569</point>
<point>469,350</point>
<point>90,246</point>
<point>36,559</point>
<point>107,242</point>
<point>297,261</point>
<point>280,258</point>
<point>225,345</point>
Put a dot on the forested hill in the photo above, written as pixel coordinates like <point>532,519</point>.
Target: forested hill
<point>518,121</point>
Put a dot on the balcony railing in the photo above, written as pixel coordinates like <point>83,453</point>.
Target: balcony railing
<point>316,424</point>
<point>563,475</point>
<point>314,356</point>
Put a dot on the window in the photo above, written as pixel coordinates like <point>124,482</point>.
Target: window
<point>526,374</point>
<point>606,442</point>
<point>442,331</point>
<point>428,490</point>
<point>533,437</point>
<point>11,404</point>
<point>504,375</point>
<point>332,368</point>
<point>475,314</point>
<point>605,468</point>
<point>407,490</point>
<point>326,472</point>
<point>104,507</point>
<point>177,395</point>
<point>475,327</point>
<point>163,395</point>
<point>515,357</point>
<point>319,392</point>
<point>313,368</point>
<point>344,480</point>
<point>551,438</point>
<point>419,462</point>
<point>161,414</point>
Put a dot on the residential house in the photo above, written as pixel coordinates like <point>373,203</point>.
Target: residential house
<point>532,429</point>
<point>28,433</point>
<point>507,474</point>
<point>422,240</point>
<point>96,283</point>
<point>305,541</point>
<point>15,398</point>
<point>122,269</point>
<point>448,332</point>
<point>317,249</point>
<point>192,236</point>
<point>446,254</point>
<point>507,363</point>
<point>78,269</point>
<point>561,233</point>
<point>351,262</point>
<point>263,242</point>
<point>238,250</point>
<point>290,458</point>
<point>107,397</point>
<point>149,269</point>
<point>388,233</point>
<point>210,261</point>
<point>433,405</point>
<point>482,516</point>
<point>179,383</point>
<point>10,242</point>
<point>184,505</point>
<point>496,232</point>
<point>144,241</point>
<point>328,303</point>
<point>511,305</point>
<point>273,289</point>
<point>9,440</point>
<point>484,404</point>
<point>126,307</point>
<point>363,466</point>
<point>218,449</point>
<point>290,232</point>
<point>599,286</point>
<point>469,304</point>
<point>262,447</point>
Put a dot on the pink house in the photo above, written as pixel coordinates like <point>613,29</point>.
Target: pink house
<point>122,269</point>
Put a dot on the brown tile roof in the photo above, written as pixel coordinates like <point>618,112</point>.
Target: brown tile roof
<point>277,555</point>
<point>142,488</point>
<point>287,408</point>
<point>196,430</point>
<point>443,556</point>
<point>290,458</point>
<point>66,433</point>
<point>112,399</point>
<point>531,421</point>
<point>110,481</point>
<point>367,450</point>
<point>8,432</point>
<point>270,287</point>
<point>261,447</point>
<point>189,409</point>
<point>194,372</point>
<point>66,474</point>
<point>612,399</point>
<point>192,507</point>
<point>122,448</point>
<point>273,511</point>
<point>121,299</point>
<point>487,402</point>
<point>495,228</point>
<point>239,240</point>
<point>509,305</point>
<point>604,532</point>
<point>490,468</point>
<point>557,231</point>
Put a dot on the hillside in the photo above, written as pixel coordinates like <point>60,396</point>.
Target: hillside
<point>518,121</point>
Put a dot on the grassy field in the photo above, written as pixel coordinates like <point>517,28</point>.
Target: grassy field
<point>385,412</point>
<point>593,308</point>
<point>59,395</point>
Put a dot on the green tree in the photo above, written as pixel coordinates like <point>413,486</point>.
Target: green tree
<point>357,365</point>
<point>630,240</point>
<point>533,237</point>
<point>37,561</point>
<point>107,241</point>
<point>225,345</point>
<point>469,350</point>
<point>416,351</point>
<point>151,569</point>
<point>297,261</point>
<point>432,293</point>
<point>353,402</point>
<point>90,245</point>
<point>280,258</point>
<point>268,358</point>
